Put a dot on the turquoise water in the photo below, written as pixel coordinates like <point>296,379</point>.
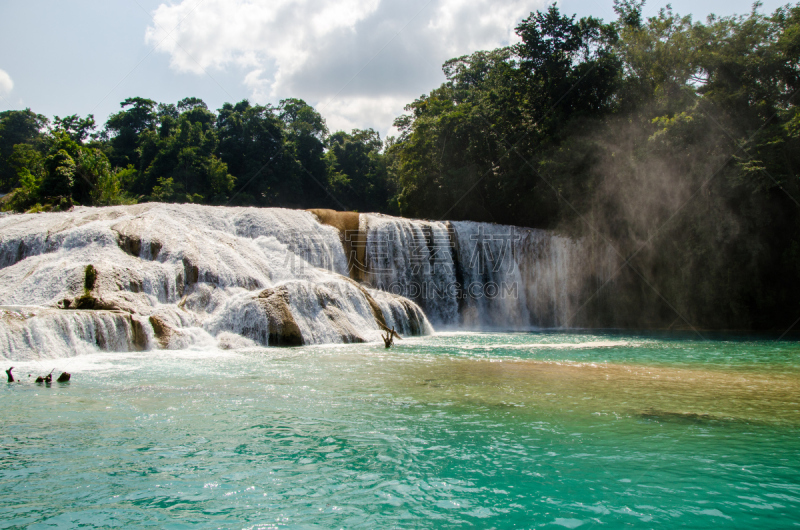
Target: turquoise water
<point>529,430</point>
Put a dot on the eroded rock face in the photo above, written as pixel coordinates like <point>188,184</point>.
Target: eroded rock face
<point>351,235</point>
<point>138,335</point>
<point>162,330</point>
<point>130,234</point>
<point>302,312</point>
<point>281,329</point>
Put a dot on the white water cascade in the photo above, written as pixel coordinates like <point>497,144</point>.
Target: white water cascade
<point>481,275</point>
<point>177,276</point>
<point>180,276</point>
<point>414,259</point>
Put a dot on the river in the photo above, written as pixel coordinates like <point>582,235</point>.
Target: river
<point>557,429</point>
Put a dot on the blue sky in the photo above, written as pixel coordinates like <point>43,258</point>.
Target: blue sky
<point>357,61</point>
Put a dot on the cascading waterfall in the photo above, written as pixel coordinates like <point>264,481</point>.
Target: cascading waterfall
<point>413,259</point>
<point>484,276</point>
<point>37,329</point>
<point>521,277</point>
<point>177,276</point>
<point>492,291</point>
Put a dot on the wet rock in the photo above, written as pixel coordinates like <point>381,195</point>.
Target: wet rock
<point>129,243</point>
<point>129,239</point>
<point>676,416</point>
<point>282,327</point>
<point>415,317</point>
<point>353,240</point>
<point>139,336</point>
<point>162,330</point>
<point>191,273</point>
<point>377,313</point>
<point>155,248</point>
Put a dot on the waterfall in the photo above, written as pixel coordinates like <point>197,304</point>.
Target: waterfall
<point>178,276</point>
<point>492,290</point>
<point>481,275</point>
<point>413,259</point>
<point>515,277</point>
<point>26,331</point>
<point>182,276</point>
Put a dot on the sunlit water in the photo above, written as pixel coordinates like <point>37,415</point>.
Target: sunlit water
<point>456,430</point>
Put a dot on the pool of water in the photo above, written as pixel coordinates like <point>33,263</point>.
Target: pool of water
<point>480,430</point>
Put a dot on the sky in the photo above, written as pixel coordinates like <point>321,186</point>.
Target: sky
<point>358,62</point>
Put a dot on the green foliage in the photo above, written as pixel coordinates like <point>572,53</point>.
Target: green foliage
<point>26,160</point>
<point>125,127</point>
<point>184,152</point>
<point>61,171</point>
<point>27,192</point>
<point>76,128</point>
<point>165,190</point>
<point>220,181</point>
<point>90,277</point>
<point>357,173</point>
<point>111,186</point>
<point>301,118</point>
<point>17,127</point>
<point>251,143</point>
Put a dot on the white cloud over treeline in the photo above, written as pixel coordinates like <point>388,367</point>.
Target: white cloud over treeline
<point>358,61</point>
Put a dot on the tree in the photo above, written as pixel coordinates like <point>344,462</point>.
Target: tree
<point>18,127</point>
<point>125,127</point>
<point>570,67</point>
<point>251,143</point>
<point>304,169</point>
<point>358,173</point>
<point>186,159</point>
<point>78,129</point>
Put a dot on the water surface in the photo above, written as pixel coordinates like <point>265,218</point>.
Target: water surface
<point>482,430</point>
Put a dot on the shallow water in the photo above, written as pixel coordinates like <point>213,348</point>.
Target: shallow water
<point>485,430</point>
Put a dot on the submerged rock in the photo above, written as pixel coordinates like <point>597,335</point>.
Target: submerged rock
<point>677,416</point>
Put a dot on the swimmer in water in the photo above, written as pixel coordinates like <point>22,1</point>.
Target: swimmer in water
<point>10,377</point>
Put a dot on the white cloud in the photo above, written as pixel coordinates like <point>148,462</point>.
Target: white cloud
<point>363,112</point>
<point>460,31</point>
<point>6,84</point>
<point>358,61</point>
